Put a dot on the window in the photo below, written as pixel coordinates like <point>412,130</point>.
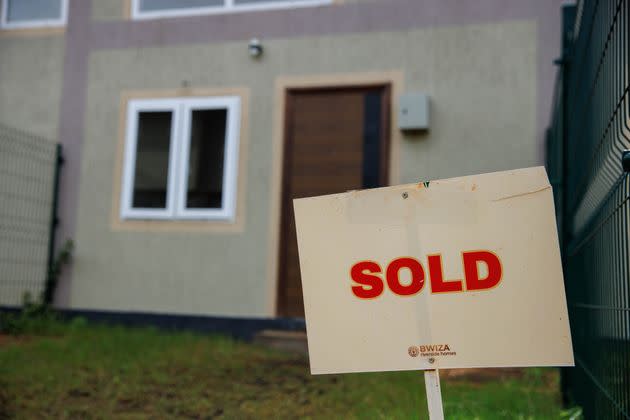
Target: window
<point>181,158</point>
<point>149,9</point>
<point>33,13</point>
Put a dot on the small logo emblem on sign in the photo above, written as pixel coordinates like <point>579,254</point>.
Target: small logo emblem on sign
<point>413,351</point>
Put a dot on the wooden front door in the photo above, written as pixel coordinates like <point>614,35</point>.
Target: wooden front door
<point>336,140</point>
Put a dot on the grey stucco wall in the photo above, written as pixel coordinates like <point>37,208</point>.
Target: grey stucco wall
<point>484,108</point>
<point>31,70</point>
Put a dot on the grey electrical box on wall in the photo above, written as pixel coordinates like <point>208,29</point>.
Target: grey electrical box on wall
<point>413,111</point>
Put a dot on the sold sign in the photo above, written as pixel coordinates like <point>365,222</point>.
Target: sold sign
<point>485,293</point>
<point>368,278</point>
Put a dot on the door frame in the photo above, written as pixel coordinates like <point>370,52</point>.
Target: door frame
<point>391,81</point>
<point>283,84</point>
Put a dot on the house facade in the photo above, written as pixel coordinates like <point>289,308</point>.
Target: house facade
<point>188,126</point>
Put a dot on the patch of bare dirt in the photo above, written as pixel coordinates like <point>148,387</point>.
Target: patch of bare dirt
<point>5,339</point>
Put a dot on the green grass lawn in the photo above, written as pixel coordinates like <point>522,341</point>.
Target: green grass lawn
<point>90,371</point>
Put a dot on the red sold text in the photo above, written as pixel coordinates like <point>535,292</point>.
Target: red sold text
<point>369,277</point>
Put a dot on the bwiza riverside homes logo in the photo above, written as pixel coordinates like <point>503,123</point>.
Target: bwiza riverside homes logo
<point>431,350</point>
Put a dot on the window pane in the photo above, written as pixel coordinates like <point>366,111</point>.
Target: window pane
<point>24,10</point>
<point>205,163</point>
<point>154,5</point>
<point>152,153</point>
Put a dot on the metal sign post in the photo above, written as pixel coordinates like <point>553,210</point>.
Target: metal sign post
<point>434,394</point>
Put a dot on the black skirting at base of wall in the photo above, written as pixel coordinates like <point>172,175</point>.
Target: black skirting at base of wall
<point>242,328</point>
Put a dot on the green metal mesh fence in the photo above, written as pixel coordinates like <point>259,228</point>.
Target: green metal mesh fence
<point>28,168</point>
<point>589,133</point>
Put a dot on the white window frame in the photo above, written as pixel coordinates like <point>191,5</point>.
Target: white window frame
<point>179,150</point>
<point>35,23</point>
<point>228,7</point>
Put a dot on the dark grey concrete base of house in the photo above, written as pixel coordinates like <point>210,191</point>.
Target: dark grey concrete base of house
<point>242,328</point>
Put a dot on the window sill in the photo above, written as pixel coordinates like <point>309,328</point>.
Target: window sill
<point>186,226</point>
<point>135,14</point>
<point>33,31</point>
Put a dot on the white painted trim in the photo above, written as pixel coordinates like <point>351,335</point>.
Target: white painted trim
<point>179,156</point>
<point>227,211</point>
<point>36,23</point>
<point>127,211</point>
<point>228,7</point>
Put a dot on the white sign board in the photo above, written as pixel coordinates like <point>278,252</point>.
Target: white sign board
<point>454,273</point>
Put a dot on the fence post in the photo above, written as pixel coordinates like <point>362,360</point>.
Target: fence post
<point>54,221</point>
<point>568,23</point>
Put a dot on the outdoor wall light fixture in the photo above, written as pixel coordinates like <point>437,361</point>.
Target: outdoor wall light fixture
<point>255,48</point>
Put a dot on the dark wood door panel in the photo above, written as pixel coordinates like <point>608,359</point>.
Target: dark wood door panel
<point>327,138</point>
